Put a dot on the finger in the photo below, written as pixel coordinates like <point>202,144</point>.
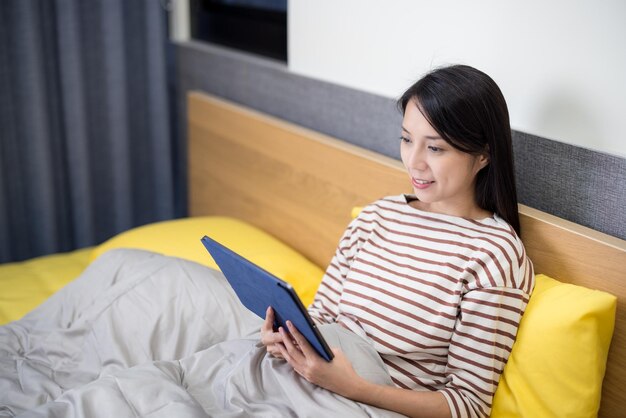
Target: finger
<point>279,350</point>
<point>294,352</point>
<point>274,350</point>
<point>268,325</point>
<point>270,338</point>
<point>302,342</point>
<point>285,354</point>
<point>294,365</point>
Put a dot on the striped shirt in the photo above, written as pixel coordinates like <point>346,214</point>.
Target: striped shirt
<point>439,297</point>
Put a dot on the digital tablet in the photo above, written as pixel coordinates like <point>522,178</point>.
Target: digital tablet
<point>257,289</point>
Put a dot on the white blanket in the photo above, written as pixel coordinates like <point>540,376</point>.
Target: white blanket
<point>144,335</point>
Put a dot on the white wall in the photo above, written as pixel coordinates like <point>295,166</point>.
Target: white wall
<point>561,63</point>
<point>179,19</point>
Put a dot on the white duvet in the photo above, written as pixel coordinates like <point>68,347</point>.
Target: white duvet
<point>144,335</point>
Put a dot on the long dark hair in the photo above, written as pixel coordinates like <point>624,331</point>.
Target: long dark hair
<point>466,107</point>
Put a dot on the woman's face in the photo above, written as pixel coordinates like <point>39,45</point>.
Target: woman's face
<point>443,177</point>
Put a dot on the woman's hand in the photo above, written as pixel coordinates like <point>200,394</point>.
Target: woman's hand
<point>271,340</point>
<point>337,375</point>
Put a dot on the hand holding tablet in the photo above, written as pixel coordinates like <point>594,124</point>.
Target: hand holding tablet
<point>258,289</point>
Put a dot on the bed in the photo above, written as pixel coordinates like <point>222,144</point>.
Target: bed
<point>303,191</point>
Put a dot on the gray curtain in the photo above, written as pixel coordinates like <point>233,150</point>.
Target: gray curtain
<point>85,133</point>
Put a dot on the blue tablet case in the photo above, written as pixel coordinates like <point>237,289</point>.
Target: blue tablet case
<point>257,289</point>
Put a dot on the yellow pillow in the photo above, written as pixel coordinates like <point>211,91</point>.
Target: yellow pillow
<point>26,284</point>
<point>559,358</point>
<point>355,211</point>
<point>181,238</point>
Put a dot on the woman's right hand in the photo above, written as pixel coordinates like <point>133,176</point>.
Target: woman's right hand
<point>271,339</point>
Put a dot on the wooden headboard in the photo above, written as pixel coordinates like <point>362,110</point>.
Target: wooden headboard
<point>300,186</point>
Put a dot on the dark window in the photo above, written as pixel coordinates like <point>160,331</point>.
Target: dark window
<point>257,26</point>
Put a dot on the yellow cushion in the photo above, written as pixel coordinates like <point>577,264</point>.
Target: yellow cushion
<point>24,285</point>
<point>355,211</point>
<point>559,358</point>
<point>181,238</point>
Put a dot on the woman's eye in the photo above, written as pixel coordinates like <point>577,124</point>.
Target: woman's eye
<point>405,139</point>
<point>435,149</point>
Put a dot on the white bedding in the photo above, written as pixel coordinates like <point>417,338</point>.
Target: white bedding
<point>140,334</point>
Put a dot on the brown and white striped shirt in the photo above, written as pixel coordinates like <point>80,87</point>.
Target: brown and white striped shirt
<point>438,296</point>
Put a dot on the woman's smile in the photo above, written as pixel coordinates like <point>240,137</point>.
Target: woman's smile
<point>421,184</point>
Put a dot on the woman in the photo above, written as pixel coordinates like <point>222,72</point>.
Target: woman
<point>438,281</point>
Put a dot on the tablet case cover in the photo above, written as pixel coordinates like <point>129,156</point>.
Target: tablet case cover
<point>257,289</point>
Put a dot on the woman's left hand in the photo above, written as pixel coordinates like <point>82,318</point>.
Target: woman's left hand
<point>337,375</point>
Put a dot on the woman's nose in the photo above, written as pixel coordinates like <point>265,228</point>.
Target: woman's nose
<point>417,159</point>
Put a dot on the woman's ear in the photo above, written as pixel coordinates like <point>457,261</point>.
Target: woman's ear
<point>483,160</point>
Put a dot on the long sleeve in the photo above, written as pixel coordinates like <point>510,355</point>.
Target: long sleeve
<point>325,306</point>
<point>481,343</point>
<point>480,346</point>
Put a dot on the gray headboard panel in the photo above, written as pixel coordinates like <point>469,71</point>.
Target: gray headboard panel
<point>580,185</point>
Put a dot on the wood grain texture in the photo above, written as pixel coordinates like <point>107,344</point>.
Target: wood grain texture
<point>300,186</point>
<point>294,183</point>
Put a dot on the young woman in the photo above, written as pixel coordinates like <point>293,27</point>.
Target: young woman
<point>437,281</point>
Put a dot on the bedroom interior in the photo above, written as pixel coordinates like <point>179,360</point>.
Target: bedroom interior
<point>275,219</point>
<point>571,201</point>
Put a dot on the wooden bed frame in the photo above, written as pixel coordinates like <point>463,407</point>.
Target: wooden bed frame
<point>300,186</point>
